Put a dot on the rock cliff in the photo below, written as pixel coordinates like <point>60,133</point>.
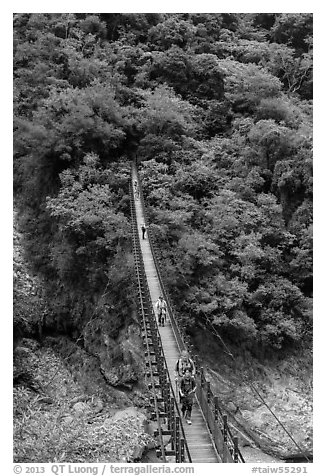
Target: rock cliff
<point>67,388</point>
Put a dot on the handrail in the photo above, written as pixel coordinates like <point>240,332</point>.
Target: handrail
<point>225,443</point>
<point>175,325</point>
<point>178,441</point>
<point>143,314</point>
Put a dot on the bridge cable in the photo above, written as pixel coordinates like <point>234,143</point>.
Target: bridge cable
<point>260,397</point>
<point>254,389</point>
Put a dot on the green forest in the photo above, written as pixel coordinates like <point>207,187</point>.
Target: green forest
<point>217,111</point>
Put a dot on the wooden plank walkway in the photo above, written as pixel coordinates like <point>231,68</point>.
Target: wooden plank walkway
<point>198,437</point>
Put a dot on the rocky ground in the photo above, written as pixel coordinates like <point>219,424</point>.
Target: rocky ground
<point>61,417</point>
<point>285,385</point>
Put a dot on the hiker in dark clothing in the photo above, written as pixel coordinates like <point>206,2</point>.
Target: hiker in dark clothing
<point>187,391</point>
<point>182,364</point>
<point>143,229</point>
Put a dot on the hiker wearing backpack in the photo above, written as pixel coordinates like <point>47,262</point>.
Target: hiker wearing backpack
<point>187,391</point>
<point>160,307</point>
<point>182,364</point>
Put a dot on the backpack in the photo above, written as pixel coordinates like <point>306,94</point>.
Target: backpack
<point>183,365</point>
<point>161,304</point>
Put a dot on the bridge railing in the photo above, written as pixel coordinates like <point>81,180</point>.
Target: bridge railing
<point>165,410</point>
<point>225,443</point>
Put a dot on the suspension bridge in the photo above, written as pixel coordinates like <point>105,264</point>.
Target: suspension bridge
<point>208,439</point>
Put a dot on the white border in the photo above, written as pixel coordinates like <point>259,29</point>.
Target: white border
<point>230,6</point>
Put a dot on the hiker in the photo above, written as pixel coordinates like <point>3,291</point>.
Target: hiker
<point>187,391</point>
<point>160,307</point>
<point>163,317</point>
<point>143,229</point>
<point>182,364</point>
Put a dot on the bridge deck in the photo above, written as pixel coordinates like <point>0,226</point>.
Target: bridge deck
<point>198,436</point>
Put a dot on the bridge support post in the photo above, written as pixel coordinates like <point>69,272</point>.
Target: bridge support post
<point>173,425</point>
<point>236,449</point>
<point>208,392</point>
<point>169,412</point>
<point>202,376</point>
<point>177,440</point>
<point>225,438</point>
<point>182,450</point>
<point>216,408</point>
<point>195,359</point>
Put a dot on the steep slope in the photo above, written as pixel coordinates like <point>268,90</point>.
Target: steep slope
<point>65,397</point>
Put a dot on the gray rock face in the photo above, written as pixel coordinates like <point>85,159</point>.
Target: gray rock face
<point>129,412</point>
<point>81,408</point>
<point>117,350</point>
<point>232,407</point>
<point>68,420</point>
<point>97,405</point>
<point>125,415</point>
<point>288,397</point>
<point>78,385</point>
<point>122,362</point>
<point>79,398</point>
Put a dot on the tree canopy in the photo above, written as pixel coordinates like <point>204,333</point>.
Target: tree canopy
<point>218,110</point>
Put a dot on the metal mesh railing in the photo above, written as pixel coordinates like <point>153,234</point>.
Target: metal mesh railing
<point>225,443</point>
<point>164,408</point>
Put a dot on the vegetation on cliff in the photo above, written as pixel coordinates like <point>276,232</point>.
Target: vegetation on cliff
<point>217,108</point>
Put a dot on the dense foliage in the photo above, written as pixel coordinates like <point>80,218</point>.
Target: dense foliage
<point>218,110</point>
<point>55,420</point>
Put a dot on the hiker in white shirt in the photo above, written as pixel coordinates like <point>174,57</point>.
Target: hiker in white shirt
<point>160,307</point>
